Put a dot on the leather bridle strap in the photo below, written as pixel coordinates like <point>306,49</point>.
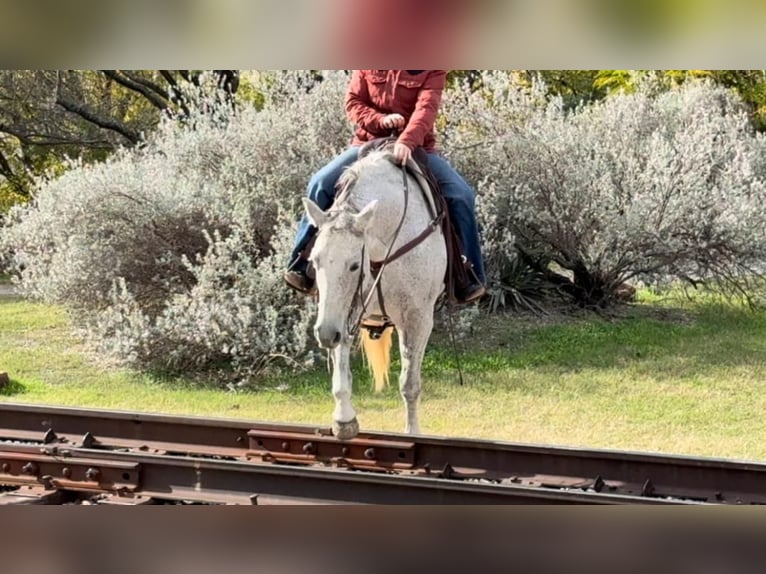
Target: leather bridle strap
<point>375,266</point>
<point>377,276</point>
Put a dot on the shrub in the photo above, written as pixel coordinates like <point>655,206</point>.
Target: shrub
<point>649,184</point>
<point>171,254</point>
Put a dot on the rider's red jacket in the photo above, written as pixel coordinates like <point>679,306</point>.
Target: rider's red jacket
<point>415,94</point>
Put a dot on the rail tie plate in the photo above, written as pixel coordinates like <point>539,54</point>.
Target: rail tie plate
<point>302,448</point>
<point>81,474</point>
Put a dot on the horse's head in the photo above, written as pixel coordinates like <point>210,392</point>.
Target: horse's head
<point>338,258</point>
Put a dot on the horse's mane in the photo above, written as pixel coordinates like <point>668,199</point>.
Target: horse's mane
<point>351,174</point>
<point>343,209</point>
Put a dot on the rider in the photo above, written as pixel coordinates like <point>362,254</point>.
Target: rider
<point>379,101</point>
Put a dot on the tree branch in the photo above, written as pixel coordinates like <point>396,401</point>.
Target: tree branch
<point>169,78</point>
<point>148,83</point>
<point>53,140</point>
<point>156,95</point>
<point>101,122</point>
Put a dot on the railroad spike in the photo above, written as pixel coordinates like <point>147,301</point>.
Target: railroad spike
<point>598,484</point>
<point>49,436</point>
<point>88,440</point>
<point>447,471</point>
<point>648,488</point>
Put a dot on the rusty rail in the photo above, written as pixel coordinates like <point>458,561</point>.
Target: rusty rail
<point>139,457</point>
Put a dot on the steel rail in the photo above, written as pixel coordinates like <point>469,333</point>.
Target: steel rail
<point>490,471</point>
<point>183,478</point>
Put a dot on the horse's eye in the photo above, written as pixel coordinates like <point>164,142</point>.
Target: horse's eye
<point>354,267</point>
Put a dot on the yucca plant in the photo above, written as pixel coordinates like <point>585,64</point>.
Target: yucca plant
<point>517,285</point>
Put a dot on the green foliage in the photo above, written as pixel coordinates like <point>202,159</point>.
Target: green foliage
<point>39,130</point>
<point>574,87</point>
<point>616,80</point>
<point>9,197</point>
<point>250,91</point>
<point>751,86</point>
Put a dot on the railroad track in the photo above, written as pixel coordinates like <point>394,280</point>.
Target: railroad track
<point>52,455</point>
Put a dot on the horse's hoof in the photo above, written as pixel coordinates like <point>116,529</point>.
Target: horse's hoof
<point>345,431</point>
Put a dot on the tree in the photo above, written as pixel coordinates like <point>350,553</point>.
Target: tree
<point>47,115</point>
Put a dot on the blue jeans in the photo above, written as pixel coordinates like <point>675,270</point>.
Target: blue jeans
<point>461,202</point>
<point>459,195</point>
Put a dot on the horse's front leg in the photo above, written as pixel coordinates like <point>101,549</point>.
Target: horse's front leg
<point>345,425</point>
<point>413,338</point>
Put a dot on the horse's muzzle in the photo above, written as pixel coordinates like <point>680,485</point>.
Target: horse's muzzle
<point>327,337</point>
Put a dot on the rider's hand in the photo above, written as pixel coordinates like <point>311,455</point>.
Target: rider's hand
<point>392,121</point>
<point>402,153</point>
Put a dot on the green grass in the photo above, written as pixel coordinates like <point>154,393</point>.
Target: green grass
<point>676,377</point>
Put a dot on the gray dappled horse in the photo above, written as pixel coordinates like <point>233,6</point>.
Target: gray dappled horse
<point>381,216</point>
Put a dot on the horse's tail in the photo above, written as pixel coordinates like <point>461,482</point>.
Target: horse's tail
<point>378,354</point>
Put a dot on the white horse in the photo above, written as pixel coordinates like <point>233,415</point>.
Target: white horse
<point>379,216</point>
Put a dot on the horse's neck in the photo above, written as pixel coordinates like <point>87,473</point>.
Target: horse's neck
<point>388,214</point>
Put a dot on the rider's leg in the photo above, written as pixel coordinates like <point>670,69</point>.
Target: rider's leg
<point>321,190</point>
<point>461,202</point>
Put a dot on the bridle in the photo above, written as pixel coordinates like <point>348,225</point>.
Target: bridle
<point>362,301</point>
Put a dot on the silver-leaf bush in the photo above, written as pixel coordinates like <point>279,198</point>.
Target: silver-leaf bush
<point>650,184</point>
<point>171,254</point>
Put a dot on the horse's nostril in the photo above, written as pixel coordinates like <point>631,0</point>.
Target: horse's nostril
<point>336,338</point>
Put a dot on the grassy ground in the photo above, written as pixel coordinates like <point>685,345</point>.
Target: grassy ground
<point>684,379</point>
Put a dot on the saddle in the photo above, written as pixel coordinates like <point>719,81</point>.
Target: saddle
<point>459,269</point>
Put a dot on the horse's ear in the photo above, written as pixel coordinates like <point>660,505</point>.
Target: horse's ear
<point>314,212</point>
<point>363,218</point>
